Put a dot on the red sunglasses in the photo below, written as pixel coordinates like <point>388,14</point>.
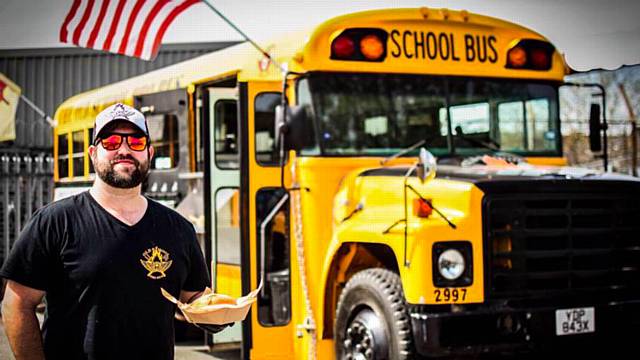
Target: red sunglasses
<point>135,142</point>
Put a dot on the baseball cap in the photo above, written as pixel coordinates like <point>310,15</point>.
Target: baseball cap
<point>122,112</point>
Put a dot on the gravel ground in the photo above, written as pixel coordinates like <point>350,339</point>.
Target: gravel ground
<point>183,352</point>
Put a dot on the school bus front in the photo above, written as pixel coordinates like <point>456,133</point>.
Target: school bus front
<point>493,253</point>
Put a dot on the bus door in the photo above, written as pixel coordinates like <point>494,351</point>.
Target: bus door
<point>222,106</point>
<point>268,251</point>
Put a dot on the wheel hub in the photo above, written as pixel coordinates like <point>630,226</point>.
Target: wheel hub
<point>365,338</point>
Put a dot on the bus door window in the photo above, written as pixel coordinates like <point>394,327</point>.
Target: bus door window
<point>265,112</point>
<point>228,242</point>
<point>226,134</point>
<point>78,153</point>
<point>63,156</point>
<point>274,304</point>
<point>163,130</point>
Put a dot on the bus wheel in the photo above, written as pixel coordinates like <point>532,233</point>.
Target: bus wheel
<point>371,318</point>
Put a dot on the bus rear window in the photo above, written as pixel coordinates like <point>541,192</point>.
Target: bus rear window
<point>78,153</point>
<point>63,156</point>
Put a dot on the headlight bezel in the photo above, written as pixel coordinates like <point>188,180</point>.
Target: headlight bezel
<point>465,249</point>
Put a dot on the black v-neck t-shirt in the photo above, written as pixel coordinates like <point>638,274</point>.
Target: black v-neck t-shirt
<point>102,278</point>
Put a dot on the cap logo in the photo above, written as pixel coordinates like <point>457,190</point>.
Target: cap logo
<point>119,111</point>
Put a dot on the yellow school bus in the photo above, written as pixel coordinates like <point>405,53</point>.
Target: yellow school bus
<point>395,181</point>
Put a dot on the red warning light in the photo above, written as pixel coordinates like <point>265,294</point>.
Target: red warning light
<point>343,47</point>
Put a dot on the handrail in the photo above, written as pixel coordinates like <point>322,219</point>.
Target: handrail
<point>263,226</point>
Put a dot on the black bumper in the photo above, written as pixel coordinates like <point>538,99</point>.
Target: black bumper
<point>523,330</point>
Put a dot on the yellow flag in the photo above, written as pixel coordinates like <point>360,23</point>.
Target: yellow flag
<point>9,97</point>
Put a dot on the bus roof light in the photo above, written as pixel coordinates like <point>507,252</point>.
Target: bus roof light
<point>540,59</point>
<point>342,47</point>
<point>360,44</point>
<point>371,47</point>
<point>530,54</point>
<point>516,58</point>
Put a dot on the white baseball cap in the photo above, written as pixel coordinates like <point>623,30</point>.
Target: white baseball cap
<point>119,112</point>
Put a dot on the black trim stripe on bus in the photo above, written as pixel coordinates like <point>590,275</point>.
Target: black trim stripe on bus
<point>204,116</point>
<point>207,179</point>
<point>245,244</point>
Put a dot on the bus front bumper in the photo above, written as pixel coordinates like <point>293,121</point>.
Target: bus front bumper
<point>524,330</point>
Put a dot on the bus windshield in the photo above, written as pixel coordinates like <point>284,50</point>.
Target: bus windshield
<point>381,114</point>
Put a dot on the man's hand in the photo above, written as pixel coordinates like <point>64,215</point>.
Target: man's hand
<point>20,321</point>
<point>213,329</point>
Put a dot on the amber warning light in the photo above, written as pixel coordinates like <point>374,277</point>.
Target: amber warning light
<point>360,45</point>
<point>422,208</point>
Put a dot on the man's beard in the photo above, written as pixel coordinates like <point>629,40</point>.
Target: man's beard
<point>122,180</point>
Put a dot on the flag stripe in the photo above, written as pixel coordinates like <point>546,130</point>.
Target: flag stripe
<point>103,31</point>
<point>144,12</point>
<point>121,27</point>
<point>155,25</point>
<point>72,12</point>
<point>83,21</point>
<point>98,25</point>
<point>165,24</point>
<point>114,25</point>
<point>147,24</point>
<point>132,19</point>
<point>91,22</point>
<point>73,24</point>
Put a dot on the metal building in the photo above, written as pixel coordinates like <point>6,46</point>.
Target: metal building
<point>47,77</point>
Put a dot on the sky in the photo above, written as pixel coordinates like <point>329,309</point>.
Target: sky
<point>591,33</point>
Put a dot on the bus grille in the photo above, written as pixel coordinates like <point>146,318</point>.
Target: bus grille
<point>563,244</point>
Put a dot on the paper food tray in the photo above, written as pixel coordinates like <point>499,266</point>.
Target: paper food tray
<point>215,314</point>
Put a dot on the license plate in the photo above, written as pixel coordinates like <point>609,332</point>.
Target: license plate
<point>575,321</point>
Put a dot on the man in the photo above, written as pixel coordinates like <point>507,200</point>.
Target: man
<point>100,258</point>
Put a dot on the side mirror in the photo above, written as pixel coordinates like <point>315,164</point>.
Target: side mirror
<point>426,167</point>
<point>595,126</point>
<point>295,128</point>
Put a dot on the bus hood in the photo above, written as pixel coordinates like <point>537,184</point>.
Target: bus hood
<point>379,191</point>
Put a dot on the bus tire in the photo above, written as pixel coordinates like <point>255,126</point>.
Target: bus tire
<point>372,321</point>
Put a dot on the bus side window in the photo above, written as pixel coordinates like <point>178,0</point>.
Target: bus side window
<point>265,112</point>
<point>163,130</point>
<point>63,156</point>
<point>226,134</point>
<point>78,153</point>
<point>274,304</point>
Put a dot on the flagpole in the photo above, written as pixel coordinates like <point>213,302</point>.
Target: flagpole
<point>282,68</point>
<point>35,108</point>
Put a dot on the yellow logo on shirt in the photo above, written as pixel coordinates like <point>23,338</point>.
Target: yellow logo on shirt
<point>156,261</point>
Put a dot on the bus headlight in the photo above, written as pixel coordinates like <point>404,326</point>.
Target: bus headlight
<point>452,264</point>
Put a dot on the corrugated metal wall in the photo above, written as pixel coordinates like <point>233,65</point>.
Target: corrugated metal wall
<point>49,76</point>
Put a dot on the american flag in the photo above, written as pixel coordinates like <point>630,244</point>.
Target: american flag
<point>128,27</point>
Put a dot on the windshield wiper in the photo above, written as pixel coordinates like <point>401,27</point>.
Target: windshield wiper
<point>402,152</point>
<point>493,146</point>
